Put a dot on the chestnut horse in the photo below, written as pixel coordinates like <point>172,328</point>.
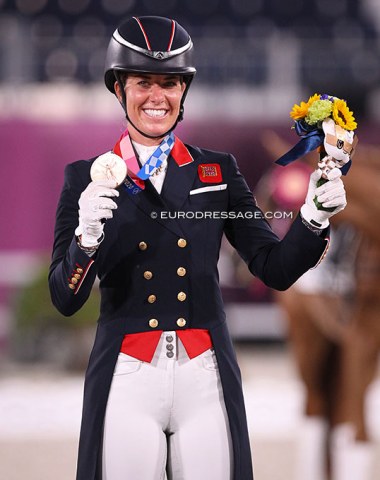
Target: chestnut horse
<point>333,315</point>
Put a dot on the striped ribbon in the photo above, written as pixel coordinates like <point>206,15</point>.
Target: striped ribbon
<point>134,182</point>
<point>158,156</point>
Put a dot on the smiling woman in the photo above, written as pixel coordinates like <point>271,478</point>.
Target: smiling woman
<point>163,372</point>
<point>149,48</point>
<point>152,104</point>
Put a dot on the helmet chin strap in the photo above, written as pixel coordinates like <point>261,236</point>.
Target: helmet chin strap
<point>123,103</point>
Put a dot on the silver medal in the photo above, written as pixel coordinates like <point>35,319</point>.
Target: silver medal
<point>109,166</point>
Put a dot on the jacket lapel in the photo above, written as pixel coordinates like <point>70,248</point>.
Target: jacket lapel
<point>179,177</point>
<point>151,204</point>
<point>178,182</point>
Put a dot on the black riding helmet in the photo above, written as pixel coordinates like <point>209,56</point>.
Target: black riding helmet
<point>149,44</point>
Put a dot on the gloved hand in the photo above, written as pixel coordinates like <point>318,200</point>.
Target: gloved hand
<point>95,205</point>
<point>330,194</point>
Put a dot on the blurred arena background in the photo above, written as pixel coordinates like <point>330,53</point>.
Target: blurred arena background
<point>254,59</point>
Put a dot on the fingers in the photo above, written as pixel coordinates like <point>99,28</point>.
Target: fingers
<point>98,195</point>
<point>110,183</point>
<point>333,174</point>
<point>103,215</point>
<point>109,192</point>
<point>101,188</point>
<point>106,188</point>
<point>316,175</point>
<point>330,187</point>
<point>331,193</point>
<point>101,191</point>
<point>335,203</point>
<point>104,203</point>
<point>96,216</point>
<point>95,203</point>
<point>101,208</point>
<point>328,164</point>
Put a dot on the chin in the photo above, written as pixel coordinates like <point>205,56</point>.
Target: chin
<point>157,130</point>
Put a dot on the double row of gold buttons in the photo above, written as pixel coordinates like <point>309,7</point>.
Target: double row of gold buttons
<point>153,322</point>
<point>181,243</point>
<point>181,272</point>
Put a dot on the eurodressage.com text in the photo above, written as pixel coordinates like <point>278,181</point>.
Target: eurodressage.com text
<point>222,215</point>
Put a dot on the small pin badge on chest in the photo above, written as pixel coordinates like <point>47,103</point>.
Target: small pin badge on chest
<point>109,166</point>
<point>210,173</point>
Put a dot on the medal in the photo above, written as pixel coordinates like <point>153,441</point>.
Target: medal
<point>109,166</point>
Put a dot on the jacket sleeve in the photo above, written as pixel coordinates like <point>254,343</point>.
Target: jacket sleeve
<point>72,272</point>
<point>278,263</point>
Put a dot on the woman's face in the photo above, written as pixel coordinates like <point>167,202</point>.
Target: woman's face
<point>153,103</point>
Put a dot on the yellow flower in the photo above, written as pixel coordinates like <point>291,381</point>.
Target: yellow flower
<point>300,111</point>
<point>343,116</point>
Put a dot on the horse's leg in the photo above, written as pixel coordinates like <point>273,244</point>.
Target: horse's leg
<point>313,353</point>
<point>351,449</point>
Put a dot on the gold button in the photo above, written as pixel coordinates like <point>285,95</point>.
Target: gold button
<point>152,298</point>
<point>80,270</point>
<point>181,243</point>
<point>74,280</point>
<point>181,322</point>
<point>77,276</point>
<point>181,296</point>
<point>148,275</point>
<point>143,246</point>
<point>72,286</point>
<point>181,271</point>
<point>153,323</point>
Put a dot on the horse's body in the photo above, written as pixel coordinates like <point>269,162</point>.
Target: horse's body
<point>334,329</point>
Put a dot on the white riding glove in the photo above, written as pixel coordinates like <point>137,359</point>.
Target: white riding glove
<point>331,194</point>
<point>95,205</point>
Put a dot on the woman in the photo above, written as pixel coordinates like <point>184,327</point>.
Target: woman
<point>163,389</point>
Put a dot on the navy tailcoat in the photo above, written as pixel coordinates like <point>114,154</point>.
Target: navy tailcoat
<point>159,233</point>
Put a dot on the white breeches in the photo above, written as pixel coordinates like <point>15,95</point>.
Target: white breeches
<point>167,418</point>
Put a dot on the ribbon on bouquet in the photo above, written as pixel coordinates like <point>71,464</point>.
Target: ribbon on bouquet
<point>310,140</point>
<point>311,118</point>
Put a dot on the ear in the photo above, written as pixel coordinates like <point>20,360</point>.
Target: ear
<point>118,91</point>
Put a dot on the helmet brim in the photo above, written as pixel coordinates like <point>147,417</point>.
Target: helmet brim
<point>110,78</point>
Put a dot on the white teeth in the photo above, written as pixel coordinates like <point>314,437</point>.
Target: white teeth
<point>155,113</point>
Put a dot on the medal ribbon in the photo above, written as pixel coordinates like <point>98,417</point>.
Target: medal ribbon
<point>158,156</point>
<point>136,175</point>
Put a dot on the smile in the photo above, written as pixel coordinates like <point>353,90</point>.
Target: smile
<point>155,113</point>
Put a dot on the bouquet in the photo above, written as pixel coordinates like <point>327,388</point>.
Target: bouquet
<point>324,122</point>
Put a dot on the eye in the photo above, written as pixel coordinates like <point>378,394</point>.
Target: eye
<point>171,84</point>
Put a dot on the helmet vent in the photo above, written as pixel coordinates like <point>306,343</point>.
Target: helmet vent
<point>158,55</point>
<point>171,36</point>
<point>144,33</point>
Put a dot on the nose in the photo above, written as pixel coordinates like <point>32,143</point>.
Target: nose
<point>156,93</point>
